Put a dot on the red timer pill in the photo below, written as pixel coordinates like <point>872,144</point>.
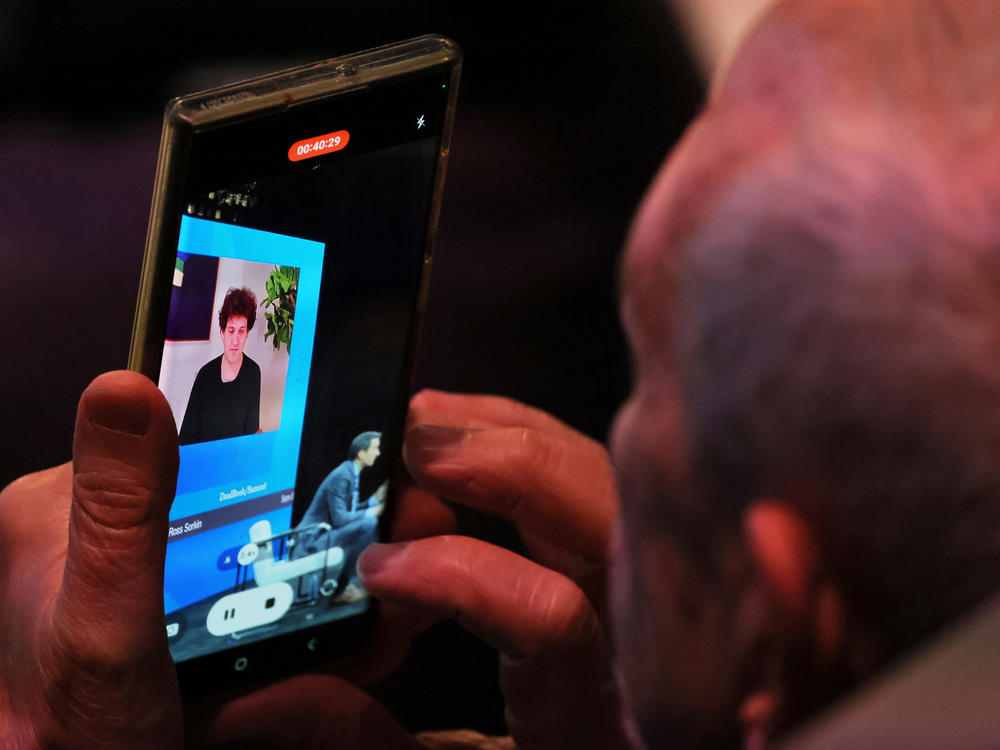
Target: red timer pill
<point>321,144</point>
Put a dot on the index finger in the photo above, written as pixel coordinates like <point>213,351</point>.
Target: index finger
<point>555,487</point>
<point>477,411</point>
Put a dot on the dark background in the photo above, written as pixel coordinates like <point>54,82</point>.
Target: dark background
<point>565,112</point>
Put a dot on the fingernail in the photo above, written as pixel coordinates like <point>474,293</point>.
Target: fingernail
<point>117,412</point>
<point>430,442</point>
<point>378,557</point>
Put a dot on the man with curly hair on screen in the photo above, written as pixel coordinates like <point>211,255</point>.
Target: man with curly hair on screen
<point>225,397</point>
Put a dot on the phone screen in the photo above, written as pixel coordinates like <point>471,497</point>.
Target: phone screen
<point>301,241</point>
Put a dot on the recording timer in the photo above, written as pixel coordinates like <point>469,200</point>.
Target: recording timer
<point>321,144</point>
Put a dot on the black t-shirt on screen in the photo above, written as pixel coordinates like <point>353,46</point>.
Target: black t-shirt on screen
<point>218,410</point>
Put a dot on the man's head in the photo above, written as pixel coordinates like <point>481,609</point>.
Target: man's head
<point>365,448</point>
<point>236,318</point>
<point>810,457</point>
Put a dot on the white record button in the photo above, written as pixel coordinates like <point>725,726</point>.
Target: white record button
<point>252,608</point>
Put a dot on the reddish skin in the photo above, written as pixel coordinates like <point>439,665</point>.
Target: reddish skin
<point>234,339</point>
<point>83,653</point>
<point>542,615</point>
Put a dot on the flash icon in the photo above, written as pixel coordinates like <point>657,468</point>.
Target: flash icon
<point>420,122</point>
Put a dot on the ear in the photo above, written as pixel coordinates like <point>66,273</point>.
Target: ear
<point>806,607</point>
<point>784,550</point>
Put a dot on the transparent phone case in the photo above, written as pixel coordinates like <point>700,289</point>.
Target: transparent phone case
<point>231,104</point>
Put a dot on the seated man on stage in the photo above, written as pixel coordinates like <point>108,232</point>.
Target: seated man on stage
<point>353,521</point>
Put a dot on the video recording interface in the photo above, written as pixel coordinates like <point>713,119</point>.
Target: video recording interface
<point>298,262</point>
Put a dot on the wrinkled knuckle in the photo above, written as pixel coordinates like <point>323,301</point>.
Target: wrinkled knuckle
<point>117,500</point>
<point>465,487</point>
<point>535,453</point>
<point>453,555</point>
<point>102,660</point>
<point>82,660</point>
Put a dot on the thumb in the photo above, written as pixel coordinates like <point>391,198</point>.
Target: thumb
<point>110,607</point>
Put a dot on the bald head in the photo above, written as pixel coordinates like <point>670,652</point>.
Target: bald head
<point>812,289</point>
<point>910,82</point>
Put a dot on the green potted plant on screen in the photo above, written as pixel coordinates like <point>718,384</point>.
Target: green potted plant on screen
<point>282,288</point>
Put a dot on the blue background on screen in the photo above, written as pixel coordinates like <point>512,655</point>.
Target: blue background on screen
<point>268,458</point>
<point>193,561</point>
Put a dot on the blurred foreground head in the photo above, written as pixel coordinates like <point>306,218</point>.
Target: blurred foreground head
<point>810,457</point>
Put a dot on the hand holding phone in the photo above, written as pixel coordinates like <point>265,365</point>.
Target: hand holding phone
<point>285,270</point>
<point>84,661</point>
<point>134,682</point>
<point>133,655</point>
<point>544,612</point>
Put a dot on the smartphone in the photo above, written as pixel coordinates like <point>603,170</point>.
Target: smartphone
<point>285,269</point>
